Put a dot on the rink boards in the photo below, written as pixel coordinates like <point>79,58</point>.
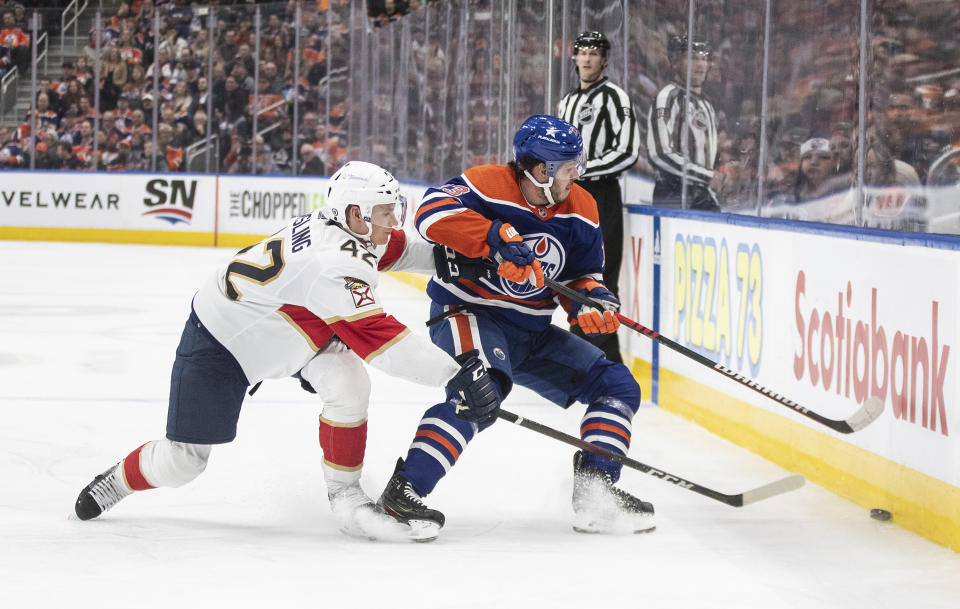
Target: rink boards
<point>824,315</point>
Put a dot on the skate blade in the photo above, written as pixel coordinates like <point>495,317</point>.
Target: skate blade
<point>615,526</point>
<point>423,531</point>
<point>378,526</point>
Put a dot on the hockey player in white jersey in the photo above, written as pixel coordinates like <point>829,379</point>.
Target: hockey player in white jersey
<point>303,303</point>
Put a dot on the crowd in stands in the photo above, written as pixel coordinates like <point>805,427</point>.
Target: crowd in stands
<point>913,95</point>
<point>180,53</point>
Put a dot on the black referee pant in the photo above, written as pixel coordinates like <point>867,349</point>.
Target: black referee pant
<point>606,191</point>
<point>668,192</point>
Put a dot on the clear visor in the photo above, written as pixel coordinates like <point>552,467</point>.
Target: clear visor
<point>569,170</point>
<point>390,216</point>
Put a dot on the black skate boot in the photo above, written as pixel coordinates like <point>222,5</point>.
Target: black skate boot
<point>106,491</point>
<point>403,503</point>
<point>600,507</point>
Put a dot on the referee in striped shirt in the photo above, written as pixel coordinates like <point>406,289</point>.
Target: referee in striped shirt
<point>666,129</point>
<point>607,121</point>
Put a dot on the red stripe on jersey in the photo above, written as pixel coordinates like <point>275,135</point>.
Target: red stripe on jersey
<point>314,329</point>
<point>426,433</point>
<point>369,335</point>
<point>343,447</point>
<point>605,427</point>
<point>132,474</point>
<point>395,247</point>
<point>464,333</point>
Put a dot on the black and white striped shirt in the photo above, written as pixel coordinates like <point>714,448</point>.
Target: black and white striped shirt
<point>665,129</point>
<point>608,123</point>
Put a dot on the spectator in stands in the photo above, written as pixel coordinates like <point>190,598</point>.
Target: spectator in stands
<point>136,85</point>
<point>146,104</point>
<point>815,177</point>
<point>47,117</point>
<point>201,46</point>
<point>47,157</point>
<point>172,44</point>
<point>201,92</point>
<point>894,195</point>
<point>841,145</point>
<point>114,71</point>
<point>268,73</point>
<point>69,129</point>
<point>308,127</point>
<point>184,101</point>
<point>179,17</point>
<point>242,161</point>
<point>138,124</point>
<point>244,57</point>
<point>265,162</point>
<point>137,159</point>
<point>170,154</point>
<point>242,75</point>
<point>15,41</point>
<point>233,103</point>
<point>123,113</point>
<point>310,163</point>
<point>198,127</point>
<point>66,158</point>
<point>83,150</point>
<point>84,73</point>
<point>108,126</point>
<point>85,108</point>
<point>227,48</point>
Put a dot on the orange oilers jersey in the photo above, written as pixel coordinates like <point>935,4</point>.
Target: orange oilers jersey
<point>280,301</point>
<point>565,237</point>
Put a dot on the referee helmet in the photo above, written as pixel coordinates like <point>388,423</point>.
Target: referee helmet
<point>677,47</point>
<point>591,40</point>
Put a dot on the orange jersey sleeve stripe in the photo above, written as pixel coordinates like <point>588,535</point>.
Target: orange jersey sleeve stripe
<point>481,291</point>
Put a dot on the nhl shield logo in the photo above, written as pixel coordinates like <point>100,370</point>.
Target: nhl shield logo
<point>585,115</point>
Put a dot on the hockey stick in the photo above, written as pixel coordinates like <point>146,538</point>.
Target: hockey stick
<point>739,500</point>
<point>866,414</point>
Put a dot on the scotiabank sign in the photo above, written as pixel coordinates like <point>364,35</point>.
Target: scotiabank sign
<point>850,356</point>
<point>827,320</point>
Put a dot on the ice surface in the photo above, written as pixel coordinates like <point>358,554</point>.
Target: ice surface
<point>87,335</point>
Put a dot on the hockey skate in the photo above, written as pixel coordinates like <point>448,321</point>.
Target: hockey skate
<point>403,503</point>
<point>359,516</point>
<point>600,507</point>
<point>106,491</point>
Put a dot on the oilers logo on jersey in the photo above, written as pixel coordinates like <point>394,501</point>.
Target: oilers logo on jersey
<point>552,257</point>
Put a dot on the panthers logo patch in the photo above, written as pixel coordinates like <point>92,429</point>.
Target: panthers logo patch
<point>361,291</point>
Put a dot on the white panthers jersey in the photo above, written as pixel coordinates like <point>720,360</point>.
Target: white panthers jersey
<point>278,302</point>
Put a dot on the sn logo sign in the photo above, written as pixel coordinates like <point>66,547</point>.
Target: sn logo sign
<point>170,200</point>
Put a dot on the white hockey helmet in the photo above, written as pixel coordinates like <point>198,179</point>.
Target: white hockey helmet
<point>367,186</point>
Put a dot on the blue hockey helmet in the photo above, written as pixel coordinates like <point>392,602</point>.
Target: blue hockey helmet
<point>549,139</point>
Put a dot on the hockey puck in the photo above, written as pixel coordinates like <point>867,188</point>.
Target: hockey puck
<point>880,514</point>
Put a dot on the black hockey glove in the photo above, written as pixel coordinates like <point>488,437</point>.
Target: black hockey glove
<point>474,390</point>
<point>452,265</point>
